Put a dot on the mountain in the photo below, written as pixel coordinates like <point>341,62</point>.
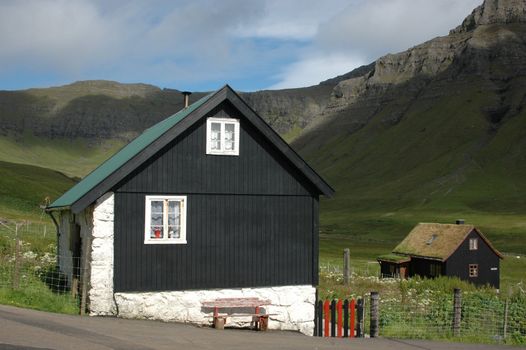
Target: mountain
<point>433,133</point>
<point>439,130</point>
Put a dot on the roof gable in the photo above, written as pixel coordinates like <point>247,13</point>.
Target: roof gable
<point>437,241</point>
<point>109,173</point>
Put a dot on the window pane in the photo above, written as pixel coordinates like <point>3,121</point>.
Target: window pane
<point>156,219</point>
<point>215,137</point>
<point>174,219</point>
<point>230,137</point>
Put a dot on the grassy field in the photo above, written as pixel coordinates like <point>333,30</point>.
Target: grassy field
<point>75,158</point>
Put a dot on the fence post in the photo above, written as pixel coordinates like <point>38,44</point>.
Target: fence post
<point>326,311</point>
<point>375,297</point>
<point>320,318</point>
<point>340,317</point>
<point>333,318</point>
<point>359,331</point>
<point>353,313</point>
<point>506,310</point>
<point>346,266</point>
<point>346,318</point>
<point>457,311</point>
<point>16,274</point>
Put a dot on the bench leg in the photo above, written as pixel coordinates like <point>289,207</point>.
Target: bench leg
<point>263,323</point>
<point>219,322</point>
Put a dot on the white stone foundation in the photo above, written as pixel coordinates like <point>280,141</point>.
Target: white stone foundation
<point>101,275</point>
<point>292,307</point>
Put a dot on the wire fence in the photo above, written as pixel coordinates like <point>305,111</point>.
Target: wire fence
<point>29,273</point>
<point>481,319</point>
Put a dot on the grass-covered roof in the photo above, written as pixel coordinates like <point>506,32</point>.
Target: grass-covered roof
<point>436,241</point>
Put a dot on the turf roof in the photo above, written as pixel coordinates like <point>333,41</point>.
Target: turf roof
<point>436,241</point>
<point>396,258</point>
<point>123,156</point>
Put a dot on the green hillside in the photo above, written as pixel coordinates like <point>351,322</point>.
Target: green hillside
<point>443,160</point>
<point>73,157</point>
<point>23,188</point>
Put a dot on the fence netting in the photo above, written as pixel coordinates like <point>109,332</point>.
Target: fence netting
<point>482,320</point>
<point>29,273</point>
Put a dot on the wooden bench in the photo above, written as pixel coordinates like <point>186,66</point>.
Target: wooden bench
<point>259,320</point>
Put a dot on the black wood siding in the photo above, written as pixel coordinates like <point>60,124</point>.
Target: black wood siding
<point>458,263</point>
<point>233,241</point>
<point>184,167</point>
<point>252,219</point>
<point>422,267</point>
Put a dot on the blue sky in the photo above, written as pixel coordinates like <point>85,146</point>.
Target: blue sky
<point>200,45</point>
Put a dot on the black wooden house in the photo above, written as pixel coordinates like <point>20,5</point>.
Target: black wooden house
<point>209,202</point>
<point>432,250</point>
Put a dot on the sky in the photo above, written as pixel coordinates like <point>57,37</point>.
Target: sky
<point>200,45</point>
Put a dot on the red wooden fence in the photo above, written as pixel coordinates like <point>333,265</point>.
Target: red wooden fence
<point>337,318</point>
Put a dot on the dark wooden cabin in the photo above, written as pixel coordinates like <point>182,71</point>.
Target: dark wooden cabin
<point>432,250</point>
<point>210,198</point>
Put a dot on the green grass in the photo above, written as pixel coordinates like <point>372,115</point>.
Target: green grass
<point>75,158</point>
<point>24,187</point>
<point>39,297</point>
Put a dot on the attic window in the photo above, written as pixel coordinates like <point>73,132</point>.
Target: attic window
<point>473,244</point>
<point>222,136</point>
<point>165,220</point>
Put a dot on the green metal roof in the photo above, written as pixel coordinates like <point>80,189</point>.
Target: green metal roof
<point>123,156</point>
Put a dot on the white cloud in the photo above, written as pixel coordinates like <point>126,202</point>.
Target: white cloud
<point>313,70</point>
<point>291,19</point>
<point>366,30</point>
<point>293,42</point>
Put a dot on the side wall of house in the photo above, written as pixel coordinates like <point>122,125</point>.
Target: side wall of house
<point>94,226</point>
<point>101,300</point>
<point>488,262</point>
<point>251,219</point>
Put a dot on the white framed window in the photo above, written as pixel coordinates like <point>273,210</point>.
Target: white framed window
<point>473,270</point>
<point>165,220</point>
<point>473,244</point>
<point>222,136</point>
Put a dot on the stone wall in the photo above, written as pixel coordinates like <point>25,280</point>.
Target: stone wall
<point>101,260</point>
<point>292,307</point>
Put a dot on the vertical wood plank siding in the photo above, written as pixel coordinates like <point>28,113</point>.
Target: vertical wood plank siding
<point>251,219</point>
<point>233,241</point>
<point>484,257</point>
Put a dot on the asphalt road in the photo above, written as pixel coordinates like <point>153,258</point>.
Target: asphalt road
<point>29,329</point>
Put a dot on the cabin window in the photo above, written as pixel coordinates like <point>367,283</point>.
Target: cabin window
<point>473,244</point>
<point>222,136</point>
<point>165,220</point>
<point>473,270</point>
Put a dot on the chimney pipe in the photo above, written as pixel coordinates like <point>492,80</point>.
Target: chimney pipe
<point>460,222</point>
<point>186,97</point>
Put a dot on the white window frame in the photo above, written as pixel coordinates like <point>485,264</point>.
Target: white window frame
<point>147,218</point>
<point>473,270</point>
<point>222,150</point>
<point>473,244</point>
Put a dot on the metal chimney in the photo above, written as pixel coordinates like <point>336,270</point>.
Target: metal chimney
<point>186,97</point>
<point>460,222</point>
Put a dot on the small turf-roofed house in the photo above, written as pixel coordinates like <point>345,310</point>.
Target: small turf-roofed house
<point>432,250</point>
<point>209,203</point>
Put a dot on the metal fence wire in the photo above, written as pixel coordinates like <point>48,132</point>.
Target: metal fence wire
<point>29,273</point>
<point>482,320</point>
